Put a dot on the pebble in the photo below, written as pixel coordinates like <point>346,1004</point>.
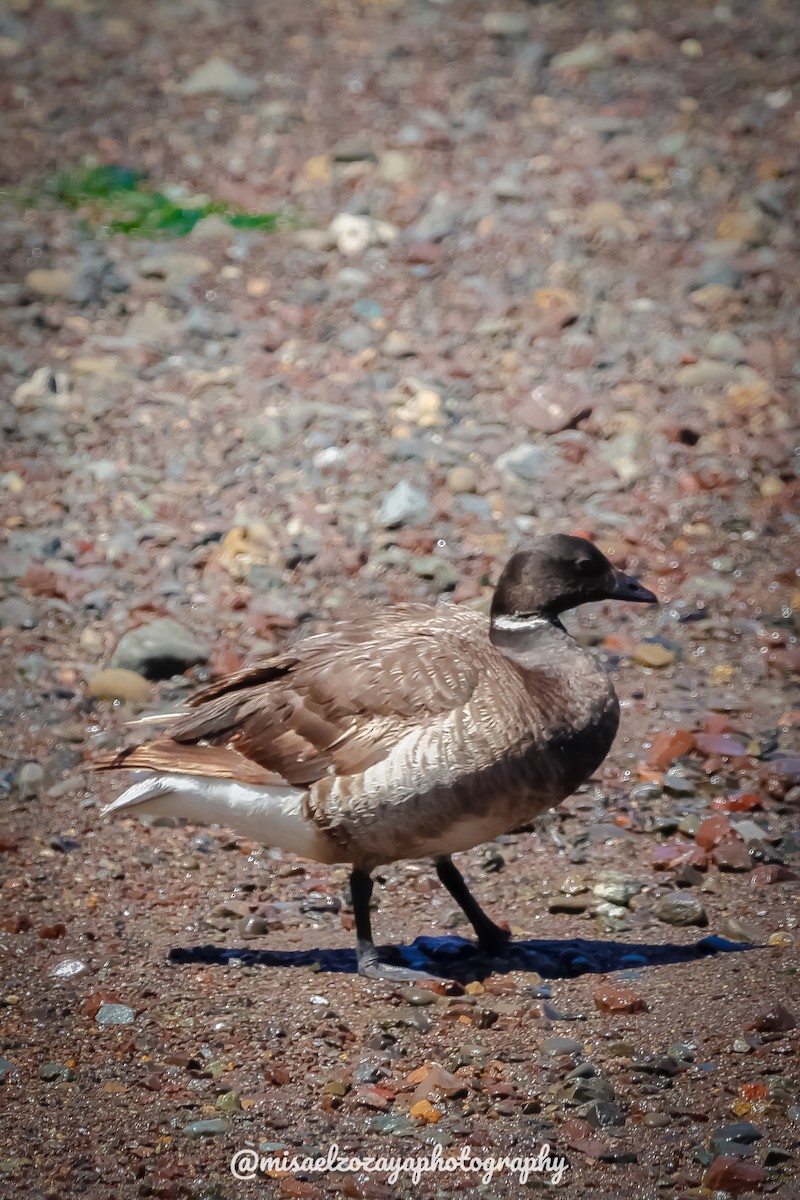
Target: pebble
<point>55,1072</point>
<point>221,77</point>
<point>444,574</point>
<point>711,831</point>
<point>159,650</point>
<point>732,856</point>
<point>16,613</point>
<point>774,1156</point>
<point>353,149</point>
<point>677,783</point>
<point>725,346</point>
<point>115,1014</point>
<point>706,372</point>
<point>209,1128</point>
<point>775,1019</point>
<point>526,462</point>
<point>392,1123</point>
<point>52,284</point>
<point>602,1113</point>
<point>461,481</point>
<point>404,505</point>
<point>506,24</point>
<point>440,218</point>
<point>174,267</point>
<point>352,234</point>
<point>611,999</point>
<point>588,56</point>
<point>68,968</point>
<point>657,1120</point>
<point>730,1175</point>
<point>30,780</point>
<point>556,1046</point>
<point>681,909</point>
<point>616,887</point>
<point>418,997</point>
<point>398,345</point>
<point>652,654</point>
<point>602,215</point>
<point>736,1138</point>
<point>567,904</point>
<point>396,167</point>
<point>228,1102</point>
<point>118,684</point>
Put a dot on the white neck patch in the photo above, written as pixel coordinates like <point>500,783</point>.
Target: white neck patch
<point>519,622</point>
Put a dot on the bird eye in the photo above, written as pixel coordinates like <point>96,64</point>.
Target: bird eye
<point>584,565</point>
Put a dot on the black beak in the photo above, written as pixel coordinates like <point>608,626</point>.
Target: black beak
<point>625,587</point>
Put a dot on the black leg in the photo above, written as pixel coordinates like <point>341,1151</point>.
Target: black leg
<point>491,938</point>
<point>369,960</point>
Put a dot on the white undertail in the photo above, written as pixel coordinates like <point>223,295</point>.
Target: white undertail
<point>273,816</point>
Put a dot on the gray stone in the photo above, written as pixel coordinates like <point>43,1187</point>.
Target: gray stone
<point>681,909</point>
<point>602,1113</point>
<point>355,338</point>
<point>585,1091</point>
<point>725,346</point>
<point>210,1128</point>
<point>16,613</point>
<point>717,272</point>
<point>560,1045</point>
<point>616,887</point>
<point>677,783</point>
<point>115,1014</point>
<point>56,1072</point>
<point>404,505</point>
<point>526,462</point>
<point>440,218</point>
<point>159,650</point>
<point>736,1138</point>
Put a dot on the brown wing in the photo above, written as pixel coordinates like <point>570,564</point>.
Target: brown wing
<point>333,704</point>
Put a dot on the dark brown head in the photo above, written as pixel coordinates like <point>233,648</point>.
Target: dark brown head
<point>557,573</point>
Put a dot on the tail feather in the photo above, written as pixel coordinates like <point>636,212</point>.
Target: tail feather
<point>164,754</point>
<point>145,790</point>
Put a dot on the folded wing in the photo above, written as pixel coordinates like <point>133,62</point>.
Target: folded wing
<point>334,704</point>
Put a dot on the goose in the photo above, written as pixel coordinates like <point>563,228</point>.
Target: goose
<point>422,731</point>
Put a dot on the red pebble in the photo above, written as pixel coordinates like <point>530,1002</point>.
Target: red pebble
<point>610,999</point>
<point>732,856</point>
<point>668,745</point>
<point>51,932</point>
<point>712,831</point>
<point>775,1019</point>
<point>732,1175</point>
<point>771,873</point>
<point>737,802</point>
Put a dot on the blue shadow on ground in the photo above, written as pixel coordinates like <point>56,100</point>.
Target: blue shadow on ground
<point>456,958</point>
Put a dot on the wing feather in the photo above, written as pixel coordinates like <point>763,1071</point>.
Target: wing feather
<point>334,704</point>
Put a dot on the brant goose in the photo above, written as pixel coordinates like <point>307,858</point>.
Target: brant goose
<point>423,731</point>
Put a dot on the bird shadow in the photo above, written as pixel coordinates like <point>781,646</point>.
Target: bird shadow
<point>458,959</point>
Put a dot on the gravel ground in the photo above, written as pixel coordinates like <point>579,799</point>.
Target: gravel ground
<point>535,269</point>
